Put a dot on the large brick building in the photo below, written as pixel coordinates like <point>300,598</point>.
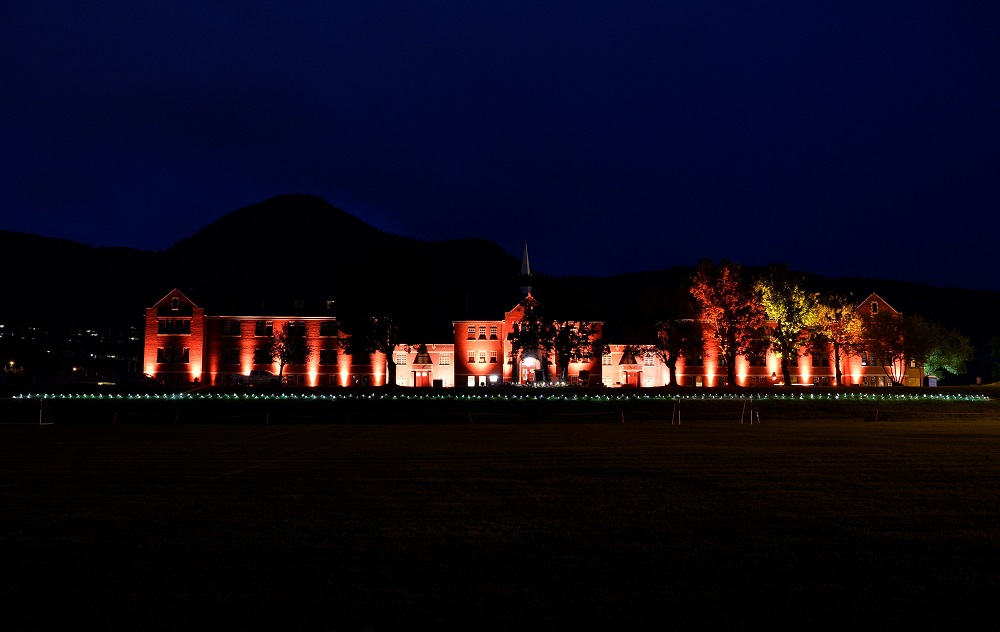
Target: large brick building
<point>183,344</point>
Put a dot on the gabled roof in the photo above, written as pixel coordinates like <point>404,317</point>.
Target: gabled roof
<point>873,297</point>
<point>172,294</point>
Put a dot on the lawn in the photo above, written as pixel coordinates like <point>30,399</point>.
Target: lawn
<point>711,524</point>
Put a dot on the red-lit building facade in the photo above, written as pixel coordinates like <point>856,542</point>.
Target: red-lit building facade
<point>483,354</point>
<point>183,344</point>
<point>623,367</point>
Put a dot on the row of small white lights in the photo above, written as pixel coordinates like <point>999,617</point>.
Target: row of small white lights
<point>508,397</point>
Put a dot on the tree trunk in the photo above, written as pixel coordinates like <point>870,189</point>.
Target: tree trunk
<point>390,370</point>
<point>836,364</point>
<point>672,370</point>
<point>786,372</point>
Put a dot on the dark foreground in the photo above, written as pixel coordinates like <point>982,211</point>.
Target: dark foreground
<point>711,525</point>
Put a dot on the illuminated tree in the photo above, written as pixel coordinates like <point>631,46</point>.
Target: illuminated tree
<point>532,334</point>
<point>885,343</point>
<point>839,326</point>
<point>892,341</point>
<point>572,341</point>
<point>675,339</point>
<point>791,310</point>
<point>947,351</point>
<point>286,345</point>
<point>732,311</point>
<point>369,334</point>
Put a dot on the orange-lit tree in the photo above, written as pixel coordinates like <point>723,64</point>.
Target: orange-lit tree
<point>839,326</point>
<point>792,312</point>
<point>730,308</point>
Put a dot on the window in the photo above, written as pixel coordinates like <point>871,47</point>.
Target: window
<point>482,332</point>
<point>263,328</point>
<point>173,355</point>
<point>874,307</point>
<point>399,357</point>
<point>175,303</point>
<point>328,328</point>
<point>493,357</point>
<point>472,356</point>
<point>230,356</point>
<point>606,359</point>
<point>471,381</point>
<point>482,356</point>
<point>173,326</point>
<point>820,360</point>
<point>300,304</point>
<point>261,356</point>
<point>296,329</point>
<point>444,359</point>
<point>493,332</point>
<point>328,356</point>
<point>696,361</point>
<point>648,360</point>
<point>756,360</point>
<point>472,332</point>
<point>230,328</point>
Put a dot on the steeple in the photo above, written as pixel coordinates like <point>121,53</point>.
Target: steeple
<point>525,271</point>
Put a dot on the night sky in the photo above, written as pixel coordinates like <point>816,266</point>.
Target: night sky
<point>842,138</point>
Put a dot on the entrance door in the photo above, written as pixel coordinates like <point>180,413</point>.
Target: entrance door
<point>421,378</point>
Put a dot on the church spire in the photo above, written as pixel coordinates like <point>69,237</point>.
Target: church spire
<point>525,271</point>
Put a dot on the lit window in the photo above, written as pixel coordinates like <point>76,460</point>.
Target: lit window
<point>444,359</point>
<point>472,332</point>
<point>400,357</point>
<point>606,359</point>
<point>482,332</point>
<point>874,307</point>
<point>493,357</point>
<point>472,356</point>
<point>482,356</point>
<point>649,360</point>
<point>493,332</point>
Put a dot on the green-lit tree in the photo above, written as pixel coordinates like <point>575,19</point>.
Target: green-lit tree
<point>731,309</point>
<point>949,353</point>
<point>791,309</point>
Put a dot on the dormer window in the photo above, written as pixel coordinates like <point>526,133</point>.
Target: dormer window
<point>874,307</point>
<point>175,303</point>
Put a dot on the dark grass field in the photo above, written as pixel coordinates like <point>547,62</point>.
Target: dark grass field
<point>789,524</point>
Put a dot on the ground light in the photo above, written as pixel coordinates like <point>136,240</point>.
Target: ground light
<point>552,396</point>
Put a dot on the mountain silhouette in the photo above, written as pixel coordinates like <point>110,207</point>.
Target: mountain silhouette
<point>297,252</point>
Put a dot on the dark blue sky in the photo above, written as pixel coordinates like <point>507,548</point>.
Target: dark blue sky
<point>842,138</point>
